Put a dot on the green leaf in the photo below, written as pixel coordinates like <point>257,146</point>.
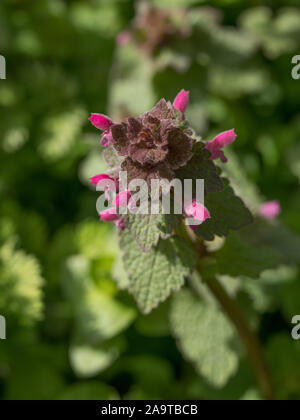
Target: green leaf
<point>147,229</point>
<point>277,35</point>
<point>240,182</point>
<point>119,274</point>
<point>99,315</point>
<point>62,131</point>
<point>267,291</point>
<point>282,240</point>
<point>201,167</point>
<point>235,82</point>
<point>20,286</point>
<point>239,259</point>
<point>154,275</point>
<point>88,361</point>
<point>95,240</point>
<point>204,336</point>
<point>227,211</point>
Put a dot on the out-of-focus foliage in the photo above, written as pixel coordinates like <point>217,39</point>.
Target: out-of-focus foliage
<point>71,332</point>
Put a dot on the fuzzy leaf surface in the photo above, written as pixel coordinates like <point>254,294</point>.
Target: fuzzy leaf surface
<point>154,275</point>
<point>228,213</point>
<point>148,229</point>
<point>203,334</point>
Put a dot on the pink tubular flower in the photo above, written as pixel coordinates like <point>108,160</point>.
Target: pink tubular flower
<point>181,101</point>
<point>216,145</point>
<point>106,183</point>
<point>95,179</point>
<point>122,199</point>
<point>123,38</point>
<point>109,215</point>
<point>100,121</point>
<point>198,212</point>
<point>106,139</point>
<point>270,210</point>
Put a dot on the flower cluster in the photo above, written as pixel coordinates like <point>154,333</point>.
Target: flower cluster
<point>154,146</point>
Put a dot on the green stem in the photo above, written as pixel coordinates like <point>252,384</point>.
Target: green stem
<point>249,338</point>
<point>234,313</point>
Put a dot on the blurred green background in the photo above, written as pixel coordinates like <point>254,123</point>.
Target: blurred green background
<point>71,333</point>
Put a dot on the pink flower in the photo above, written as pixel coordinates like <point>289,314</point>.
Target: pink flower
<point>216,145</point>
<point>106,139</point>
<point>120,224</point>
<point>198,212</point>
<point>181,101</point>
<point>270,209</point>
<point>106,182</point>
<point>95,179</point>
<point>123,38</point>
<point>122,199</point>
<point>100,121</point>
<point>109,215</point>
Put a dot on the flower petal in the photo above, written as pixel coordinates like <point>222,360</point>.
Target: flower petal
<point>181,101</point>
<point>106,139</point>
<point>122,199</point>
<point>224,139</point>
<point>95,179</point>
<point>100,121</point>
<point>216,145</point>
<point>270,210</point>
<point>109,215</point>
<point>196,211</point>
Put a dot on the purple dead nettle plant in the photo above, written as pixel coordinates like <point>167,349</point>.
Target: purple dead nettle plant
<point>160,251</point>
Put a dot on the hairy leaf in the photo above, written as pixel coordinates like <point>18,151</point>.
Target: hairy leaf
<point>201,167</point>
<point>148,229</point>
<point>203,335</point>
<point>282,240</point>
<point>227,211</point>
<point>154,275</point>
<point>237,258</point>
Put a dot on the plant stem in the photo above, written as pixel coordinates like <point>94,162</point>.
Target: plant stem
<point>234,313</point>
<point>249,338</point>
